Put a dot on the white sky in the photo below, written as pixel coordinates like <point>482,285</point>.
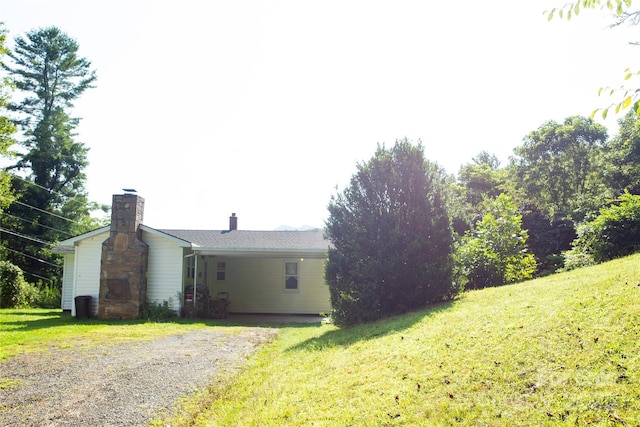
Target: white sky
<point>263,107</point>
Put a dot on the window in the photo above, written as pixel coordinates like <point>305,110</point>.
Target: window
<point>191,267</point>
<point>291,276</point>
<point>220,270</point>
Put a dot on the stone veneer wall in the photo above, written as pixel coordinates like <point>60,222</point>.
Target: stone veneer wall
<point>123,270</point>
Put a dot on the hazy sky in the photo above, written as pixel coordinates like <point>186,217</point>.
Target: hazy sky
<point>263,108</point>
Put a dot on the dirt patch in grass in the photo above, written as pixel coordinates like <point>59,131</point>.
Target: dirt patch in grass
<point>122,384</point>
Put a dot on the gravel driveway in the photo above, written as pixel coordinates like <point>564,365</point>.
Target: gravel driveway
<point>122,384</point>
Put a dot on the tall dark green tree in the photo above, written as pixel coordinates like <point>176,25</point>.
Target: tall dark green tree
<point>52,202</point>
<point>392,241</point>
<point>548,238</point>
<point>557,167</point>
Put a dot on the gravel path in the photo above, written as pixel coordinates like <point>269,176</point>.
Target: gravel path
<point>119,385</point>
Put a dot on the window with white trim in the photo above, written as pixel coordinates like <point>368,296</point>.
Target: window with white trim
<point>290,276</point>
<point>221,270</point>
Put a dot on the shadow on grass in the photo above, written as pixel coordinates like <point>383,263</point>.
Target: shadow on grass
<point>347,336</point>
<point>40,312</point>
<point>34,319</point>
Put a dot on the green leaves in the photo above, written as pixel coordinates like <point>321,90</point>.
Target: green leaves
<point>628,97</point>
<point>50,76</point>
<point>496,253</point>
<point>617,6</point>
<point>614,233</point>
<point>391,236</point>
<point>555,164</point>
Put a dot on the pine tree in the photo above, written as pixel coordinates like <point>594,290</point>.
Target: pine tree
<point>52,202</point>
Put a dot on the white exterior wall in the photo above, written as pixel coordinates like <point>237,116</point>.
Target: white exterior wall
<point>67,282</point>
<point>86,277</point>
<point>256,285</point>
<point>164,272</point>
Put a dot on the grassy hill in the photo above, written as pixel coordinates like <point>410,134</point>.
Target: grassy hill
<point>562,350</point>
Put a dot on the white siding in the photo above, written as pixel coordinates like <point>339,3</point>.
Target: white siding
<point>164,272</point>
<point>67,282</point>
<point>87,269</point>
<point>256,285</point>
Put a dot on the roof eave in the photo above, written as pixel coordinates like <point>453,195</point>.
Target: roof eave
<point>71,242</point>
<point>262,252</point>
<point>180,242</point>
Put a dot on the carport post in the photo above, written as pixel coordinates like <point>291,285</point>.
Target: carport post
<point>195,280</point>
<point>195,275</point>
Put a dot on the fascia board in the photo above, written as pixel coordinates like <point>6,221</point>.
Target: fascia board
<point>180,242</point>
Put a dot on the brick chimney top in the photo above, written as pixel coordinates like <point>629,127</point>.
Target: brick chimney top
<point>233,222</point>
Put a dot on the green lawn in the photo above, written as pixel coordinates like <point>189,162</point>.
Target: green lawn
<point>32,330</point>
<point>562,350</point>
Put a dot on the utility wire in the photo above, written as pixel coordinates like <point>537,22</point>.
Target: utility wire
<point>24,236</point>
<point>47,212</point>
<point>41,225</point>
<point>46,189</point>
<point>40,186</point>
<point>37,275</point>
<point>33,257</point>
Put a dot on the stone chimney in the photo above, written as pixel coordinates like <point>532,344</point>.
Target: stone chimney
<point>233,222</point>
<point>123,269</point>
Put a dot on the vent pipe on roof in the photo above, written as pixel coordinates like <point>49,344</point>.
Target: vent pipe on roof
<point>233,222</point>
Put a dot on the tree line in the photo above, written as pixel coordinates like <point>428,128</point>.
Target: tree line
<point>406,233</point>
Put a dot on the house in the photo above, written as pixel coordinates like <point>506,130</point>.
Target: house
<point>127,264</point>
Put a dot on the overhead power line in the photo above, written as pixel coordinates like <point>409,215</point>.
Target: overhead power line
<point>33,257</point>
<point>24,236</point>
<point>50,191</point>
<point>46,212</point>
<point>37,275</point>
<point>39,186</point>
<point>39,224</point>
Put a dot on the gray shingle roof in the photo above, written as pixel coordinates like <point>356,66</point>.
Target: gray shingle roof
<point>249,241</point>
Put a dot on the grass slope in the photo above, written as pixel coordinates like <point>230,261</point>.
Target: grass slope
<point>561,350</point>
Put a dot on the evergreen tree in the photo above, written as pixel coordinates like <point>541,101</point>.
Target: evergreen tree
<point>52,202</point>
<point>391,237</point>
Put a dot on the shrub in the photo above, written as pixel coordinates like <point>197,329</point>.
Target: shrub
<point>155,312</point>
<point>496,252</point>
<point>576,258</point>
<point>49,297</point>
<point>614,233</point>
<point>14,290</point>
